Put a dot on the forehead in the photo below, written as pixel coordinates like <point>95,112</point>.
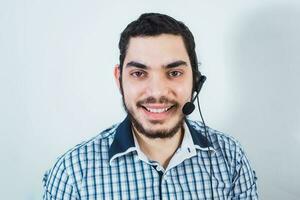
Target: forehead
<point>156,50</point>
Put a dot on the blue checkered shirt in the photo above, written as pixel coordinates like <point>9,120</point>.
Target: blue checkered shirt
<point>112,166</point>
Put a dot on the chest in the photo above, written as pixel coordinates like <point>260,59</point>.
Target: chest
<point>132,178</point>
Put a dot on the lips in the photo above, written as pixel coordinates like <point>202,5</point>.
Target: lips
<point>157,112</point>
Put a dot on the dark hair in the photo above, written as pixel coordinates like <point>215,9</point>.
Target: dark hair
<point>153,24</point>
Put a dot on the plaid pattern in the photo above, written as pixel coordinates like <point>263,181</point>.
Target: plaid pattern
<point>111,166</point>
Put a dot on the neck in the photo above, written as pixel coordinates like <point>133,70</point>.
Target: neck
<point>159,149</point>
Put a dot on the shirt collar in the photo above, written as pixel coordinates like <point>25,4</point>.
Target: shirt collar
<point>123,142</point>
<point>198,139</point>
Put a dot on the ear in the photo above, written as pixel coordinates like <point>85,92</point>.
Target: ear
<point>117,74</point>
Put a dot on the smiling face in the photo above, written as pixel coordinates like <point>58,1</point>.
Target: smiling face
<point>157,81</point>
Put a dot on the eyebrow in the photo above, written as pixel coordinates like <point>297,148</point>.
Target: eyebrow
<point>168,66</point>
<point>176,64</point>
<point>136,64</point>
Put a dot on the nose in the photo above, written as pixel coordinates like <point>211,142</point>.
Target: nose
<point>158,86</point>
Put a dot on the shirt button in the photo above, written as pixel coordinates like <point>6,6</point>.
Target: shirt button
<point>165,177</point>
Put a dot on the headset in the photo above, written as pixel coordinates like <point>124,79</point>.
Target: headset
<point>189,107</point>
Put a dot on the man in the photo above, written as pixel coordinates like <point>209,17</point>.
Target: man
<point>156,152</point>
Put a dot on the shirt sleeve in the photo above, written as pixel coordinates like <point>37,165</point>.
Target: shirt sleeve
<point>244,182</point>
<point>58,184</point>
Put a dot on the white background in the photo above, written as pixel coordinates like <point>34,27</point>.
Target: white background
<point>57,88</point>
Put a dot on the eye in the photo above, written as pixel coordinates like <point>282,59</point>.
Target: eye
<point>175,73</point>
<point>138,74</point>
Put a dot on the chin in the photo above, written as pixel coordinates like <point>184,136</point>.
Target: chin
<point>158,129</point>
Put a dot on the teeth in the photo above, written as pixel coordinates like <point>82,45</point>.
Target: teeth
<point>161,110</point>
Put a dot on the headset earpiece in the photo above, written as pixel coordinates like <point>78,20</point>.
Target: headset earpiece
<point>200,79</point>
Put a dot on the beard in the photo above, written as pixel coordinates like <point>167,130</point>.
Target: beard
<point>153,134</point>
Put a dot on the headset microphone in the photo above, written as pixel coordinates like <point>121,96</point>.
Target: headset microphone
<point>189,107</point>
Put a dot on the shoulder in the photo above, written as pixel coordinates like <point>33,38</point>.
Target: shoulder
<point>71,164</point>
<point>229,152</point>
<point>221,142</point>
<point>100,142</point>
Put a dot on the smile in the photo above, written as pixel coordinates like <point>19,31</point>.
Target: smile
<point>157,110</point>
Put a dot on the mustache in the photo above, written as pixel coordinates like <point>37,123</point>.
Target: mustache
<point>161,100</point>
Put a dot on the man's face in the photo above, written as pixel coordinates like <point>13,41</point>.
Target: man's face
<point>157,81</point>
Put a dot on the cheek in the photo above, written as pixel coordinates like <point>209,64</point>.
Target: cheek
<point>184,91</point>
<point>132,92</point>
<point>184,95</point>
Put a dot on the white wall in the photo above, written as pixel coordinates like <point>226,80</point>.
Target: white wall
<point>57,89</point>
